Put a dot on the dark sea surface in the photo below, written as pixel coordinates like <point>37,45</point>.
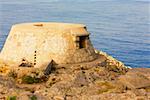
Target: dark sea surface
<point>119,27</point>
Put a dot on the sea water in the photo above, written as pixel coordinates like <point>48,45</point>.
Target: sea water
<point>119,27</point>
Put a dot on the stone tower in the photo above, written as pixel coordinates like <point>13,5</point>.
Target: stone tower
<point>41,42</point>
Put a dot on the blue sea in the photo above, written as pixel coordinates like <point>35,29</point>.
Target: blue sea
<point>119,27</point>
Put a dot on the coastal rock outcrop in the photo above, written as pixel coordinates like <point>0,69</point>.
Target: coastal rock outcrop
<point>97,80</point>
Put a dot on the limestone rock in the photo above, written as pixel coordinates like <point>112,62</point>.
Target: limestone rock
<point>143,71</point>
<point>81,79</point>
<point>135,80</point>
<point>58,98</point>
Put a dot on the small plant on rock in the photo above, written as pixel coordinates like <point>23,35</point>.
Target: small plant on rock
<point>33,97</point>
<point>30,80</point>
<point>11,98</point>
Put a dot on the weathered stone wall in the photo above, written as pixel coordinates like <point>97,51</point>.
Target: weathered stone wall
<point>81,55</point>
<point>40,44</point>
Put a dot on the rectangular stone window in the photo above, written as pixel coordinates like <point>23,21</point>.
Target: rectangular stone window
<point>81,42</point>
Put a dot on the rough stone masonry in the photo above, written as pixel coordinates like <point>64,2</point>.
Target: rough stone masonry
<point>37,44</point>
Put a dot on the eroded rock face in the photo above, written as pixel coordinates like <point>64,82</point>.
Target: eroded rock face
<point>81,79</point>
<point>135,79</point>
<point>90,84</point>
<point>97,80</point>
<point>143,71</point>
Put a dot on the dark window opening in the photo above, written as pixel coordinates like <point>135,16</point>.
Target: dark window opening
<point>83,41</point>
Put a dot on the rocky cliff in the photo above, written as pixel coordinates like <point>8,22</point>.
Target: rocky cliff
<point>103,79</point>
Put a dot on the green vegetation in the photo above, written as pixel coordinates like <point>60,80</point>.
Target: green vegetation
<point>33,97</point>
<point>30,80</point>
<point>11,98</point>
